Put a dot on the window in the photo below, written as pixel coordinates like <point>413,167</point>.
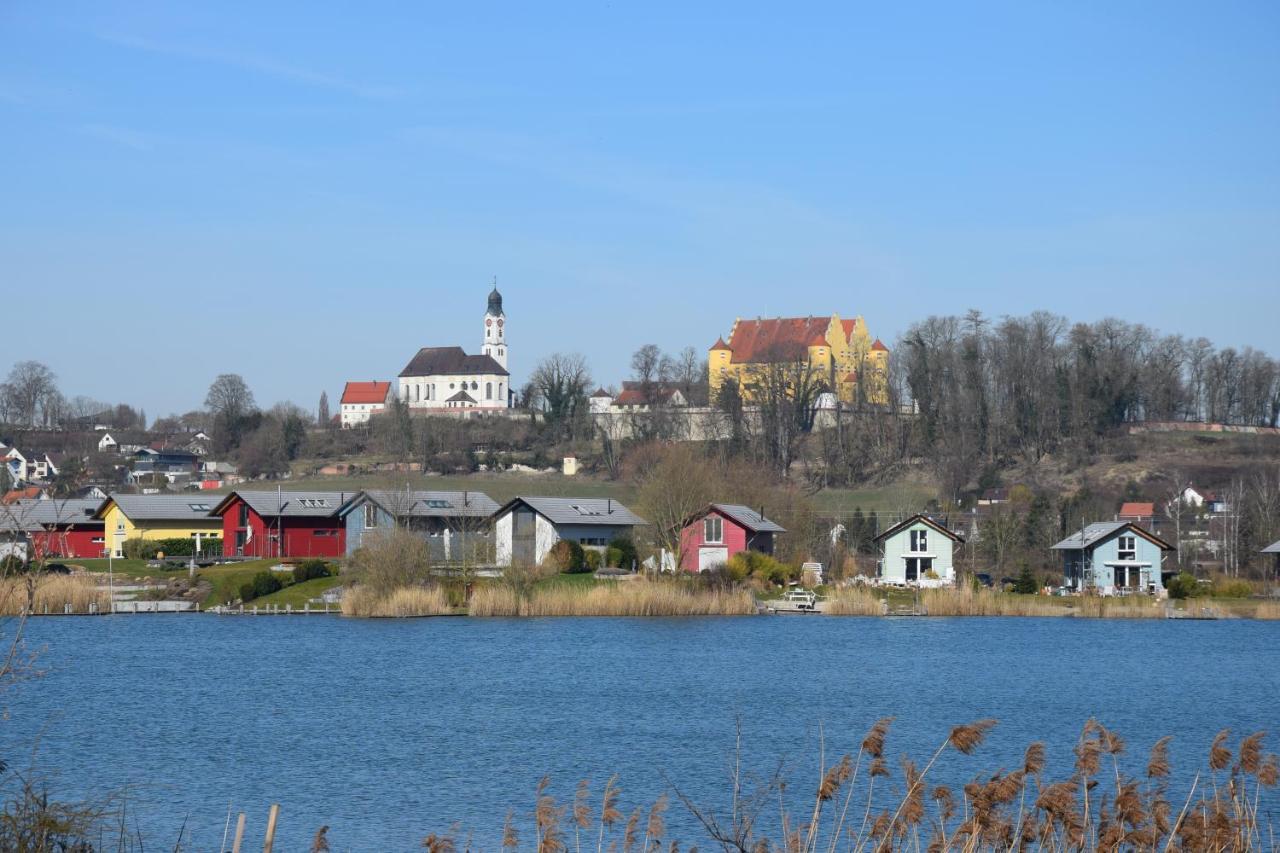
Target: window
<point>370,516</point>
<point>436,503</point>
<point>244,516</point>
<point>488,390</point>
<point>713,529</point>
<point>1128,548</point>
<point>199,507</point>
<point>591,540</point>
<point>919,541</point>
<point>417,393</point>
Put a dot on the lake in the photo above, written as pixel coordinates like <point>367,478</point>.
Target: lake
<point>387,730</point>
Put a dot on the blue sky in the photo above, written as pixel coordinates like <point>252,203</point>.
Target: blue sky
<point>307,193</point>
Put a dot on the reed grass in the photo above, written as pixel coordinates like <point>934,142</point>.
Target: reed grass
<point>1267,610</point>
<point>1090,805</point>
<point>405,601</point>
<point>40,594</point>
<point>635,598</point>
<point>967,601</point>
<point>1138,607</point>
<point>853,601</point>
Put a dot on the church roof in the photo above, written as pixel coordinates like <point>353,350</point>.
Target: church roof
<point>451,361</point>
<point>461,397</point>
<point>495,301</point>
<point>777,340</point>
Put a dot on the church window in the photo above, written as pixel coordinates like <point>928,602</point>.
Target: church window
<point>417,393</point>
<point>475,386</point>
<point>488,390</point>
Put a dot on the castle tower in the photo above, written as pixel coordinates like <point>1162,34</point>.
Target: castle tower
<point>495,328</point>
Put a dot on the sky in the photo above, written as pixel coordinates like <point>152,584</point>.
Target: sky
<point>306,193</point>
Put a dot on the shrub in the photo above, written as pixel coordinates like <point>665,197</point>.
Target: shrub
<point>389,559</point>
<point>1184,585</point>
<point>263,583</point>
<point>566,556</point>
<point>622,553</point>
<point>592,560</point>
<point>754,564</point>
<point>1026,582</point>
<point>1224,588</point>
<point>309,570</point>
<point>138,548</point>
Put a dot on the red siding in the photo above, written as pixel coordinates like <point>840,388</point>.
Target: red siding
<point>76,542</point>
<point>691,538</point>
<point>302,537</point>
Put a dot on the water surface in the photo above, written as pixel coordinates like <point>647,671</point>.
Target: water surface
<point>387,730</point>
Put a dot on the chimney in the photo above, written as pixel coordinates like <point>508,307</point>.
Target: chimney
<point>610,506</point>
<point>762,512</point>
<point>466,499</point>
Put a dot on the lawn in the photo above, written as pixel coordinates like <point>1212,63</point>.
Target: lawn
<point>297,595</point>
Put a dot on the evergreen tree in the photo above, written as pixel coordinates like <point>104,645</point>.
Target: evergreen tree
<point>322,415</point>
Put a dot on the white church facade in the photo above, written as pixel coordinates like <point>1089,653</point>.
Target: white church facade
<point>447,378</point>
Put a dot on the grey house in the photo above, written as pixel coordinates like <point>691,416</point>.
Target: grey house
<point>527,527</point>
<point>457,526</point>
<point>1273,553</point>
<point>918,552</point>
<point>1113,558</point>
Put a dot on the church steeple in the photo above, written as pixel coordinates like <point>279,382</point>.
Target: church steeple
<point>495,328</point>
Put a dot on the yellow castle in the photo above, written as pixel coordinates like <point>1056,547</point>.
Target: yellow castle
<point>840,352</point>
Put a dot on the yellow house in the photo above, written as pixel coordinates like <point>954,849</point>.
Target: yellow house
<point>841,353</point>
<point>153,517</point>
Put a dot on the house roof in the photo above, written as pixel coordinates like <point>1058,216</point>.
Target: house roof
<point>1273,548</point>
<point>24,494</point>
<point>451,361</point>
<point>600,392</point>
<point>578,510</point>
<point>286,504</point>
<point>776,340</point>
<point>746,517</point>
<point>158,507</point>
<point>365,392</point>
<point>921,519</point>
<point>58,511</point>
<point>1100,531</point>
<point>426,504</point>
<point>1137,509</point>
<point>635,394</point>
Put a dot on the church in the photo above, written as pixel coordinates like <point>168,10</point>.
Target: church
<point>449,379</point>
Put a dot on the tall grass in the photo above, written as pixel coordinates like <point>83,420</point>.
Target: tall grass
<point>858,804</point>
<point>51,594</point>
<point>405,601</point>
<point>1267,610</point>
<point>964,600</point>
<point>636,598</point>
<point>853,601</point>
<point>1136,607</point>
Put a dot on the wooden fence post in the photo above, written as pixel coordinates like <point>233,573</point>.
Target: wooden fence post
<point>235,846</point>
<point>271,828</point>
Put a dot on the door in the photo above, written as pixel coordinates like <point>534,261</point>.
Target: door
<point>524,537</point>
<point>913,569</point>
<point>240,538</point>
<point>709,558</point>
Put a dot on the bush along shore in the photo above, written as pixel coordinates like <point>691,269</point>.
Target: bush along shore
<point>859,803</point>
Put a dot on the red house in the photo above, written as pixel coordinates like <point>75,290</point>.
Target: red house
<point>67,528</point>
<point>282,524</point>
<point>715,534</point>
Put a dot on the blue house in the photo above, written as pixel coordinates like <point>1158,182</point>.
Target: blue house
<point>918,552</point>
<point>1113,558</point>
<point>457,526</point>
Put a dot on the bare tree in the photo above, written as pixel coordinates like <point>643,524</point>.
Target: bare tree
<point>681,483</point>
<point>322,411</point>
<point>229,397</point>
<point>29,392</point>
<point>560,384</point>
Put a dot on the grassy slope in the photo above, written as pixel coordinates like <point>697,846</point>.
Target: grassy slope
<point>297,595</point>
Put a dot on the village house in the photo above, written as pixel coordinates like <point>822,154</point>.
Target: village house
<point>446,378</point>
<point>526,528</point>
<point>1138,512</point>
<point>714,535</point>
<point>839,353</point>
<point>1206,499</point>
<point>282,524</point>
<point>173,465</point>
<point>1113,558</point>
<point>918,552</point>
<point>361,401</point>
<point>66,527</point>
<point>154,517</point>
<point>457,526</point>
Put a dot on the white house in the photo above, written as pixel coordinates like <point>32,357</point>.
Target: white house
<point>526,528</point>
<point>106,443</point>
<point>918,552</point>
<point>448,378</point>
<point>362,400</point>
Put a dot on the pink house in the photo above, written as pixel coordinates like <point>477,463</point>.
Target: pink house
<point>718,532</point>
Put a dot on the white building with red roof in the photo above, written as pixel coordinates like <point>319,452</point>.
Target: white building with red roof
<point>362,400</point>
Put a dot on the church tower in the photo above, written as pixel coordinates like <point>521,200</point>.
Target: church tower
<point>495,328</point>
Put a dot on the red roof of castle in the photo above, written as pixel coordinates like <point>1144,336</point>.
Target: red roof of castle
<point>720,344</point>
<point>779,339</point>
<point>879,346</point>
<point>365,392</point>
<point>849,326</point>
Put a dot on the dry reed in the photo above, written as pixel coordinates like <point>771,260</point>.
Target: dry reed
<point>51,594</point>
<point>636,598</point>
<point>1085,810</point>
<point>853,601</point>
<point>1267,610</point>
<point>405,601</point>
